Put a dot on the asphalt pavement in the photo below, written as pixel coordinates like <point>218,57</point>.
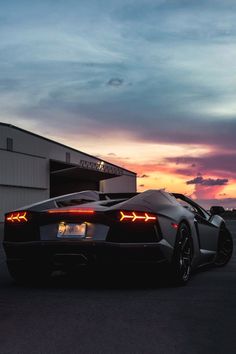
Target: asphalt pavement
<point>121,313</point>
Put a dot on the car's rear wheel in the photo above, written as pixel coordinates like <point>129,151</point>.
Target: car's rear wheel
<point>225,247</point>
<point>26,273</point>
<point>182,257</point>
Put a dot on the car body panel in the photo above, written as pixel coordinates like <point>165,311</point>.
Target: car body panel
<point>107,236</point>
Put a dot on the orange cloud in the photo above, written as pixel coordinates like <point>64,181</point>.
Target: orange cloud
<point>208,192</point>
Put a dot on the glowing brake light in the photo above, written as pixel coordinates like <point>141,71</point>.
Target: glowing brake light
<point>71,211</point>
<point>136,216</point>
<point>175,225</point>
<point>17,217</point>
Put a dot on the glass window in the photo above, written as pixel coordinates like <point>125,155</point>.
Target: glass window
<point>193,207</point>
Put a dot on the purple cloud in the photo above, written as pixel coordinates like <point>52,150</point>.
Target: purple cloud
<point>184,171</point>
<point>219,162</point>
<point>208,181</point>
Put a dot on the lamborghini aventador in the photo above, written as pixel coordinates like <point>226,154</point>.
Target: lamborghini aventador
<point>88,228</point>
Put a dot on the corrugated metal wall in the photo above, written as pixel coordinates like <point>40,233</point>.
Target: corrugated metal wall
<point>122,184</point>
<point>13,198</point>
<point>24,180</point>
<point>23,170</point>
<point>30,144</point>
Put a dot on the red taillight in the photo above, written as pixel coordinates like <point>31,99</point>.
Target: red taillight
<point>137,216</point>
<point>71,211</point>
<point>17,217</point>
<point>174,225</point>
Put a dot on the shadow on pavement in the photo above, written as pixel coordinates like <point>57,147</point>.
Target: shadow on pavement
<point>137,278</point>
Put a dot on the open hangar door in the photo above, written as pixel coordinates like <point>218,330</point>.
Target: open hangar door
<point>67,178</point>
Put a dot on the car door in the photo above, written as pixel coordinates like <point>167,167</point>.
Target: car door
<point>207,232</point>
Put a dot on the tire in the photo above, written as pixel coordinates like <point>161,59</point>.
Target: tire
<point>182,257</point>
<point>225,247</point>
<point>26,273</point>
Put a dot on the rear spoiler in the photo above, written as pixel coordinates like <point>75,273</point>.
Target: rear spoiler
<point>105,196</point>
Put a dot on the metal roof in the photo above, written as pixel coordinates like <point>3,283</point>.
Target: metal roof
<point>60,144</point>
<point>76,173</point>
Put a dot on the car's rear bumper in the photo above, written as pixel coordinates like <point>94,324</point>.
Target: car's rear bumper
<point>69,253</point>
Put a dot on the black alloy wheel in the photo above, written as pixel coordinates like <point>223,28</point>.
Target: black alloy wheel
<point>225,247</point>
<point>183,254</point>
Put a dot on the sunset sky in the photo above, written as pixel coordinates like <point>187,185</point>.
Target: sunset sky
<point>148,85</point>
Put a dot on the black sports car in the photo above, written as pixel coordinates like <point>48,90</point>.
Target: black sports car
<point>89,228</point>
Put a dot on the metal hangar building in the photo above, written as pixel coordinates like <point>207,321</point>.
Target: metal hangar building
<point>34,168</point>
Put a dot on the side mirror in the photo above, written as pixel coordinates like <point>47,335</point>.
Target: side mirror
<point>217,210</point>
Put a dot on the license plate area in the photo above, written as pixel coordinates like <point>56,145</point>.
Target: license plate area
<point>71,230</point>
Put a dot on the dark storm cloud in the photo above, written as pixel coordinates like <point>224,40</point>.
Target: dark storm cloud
<point>197,180</point>
<point>221,162</point>
<point>186,130</point>
<point>115,82</point>
<point>208,181</point>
